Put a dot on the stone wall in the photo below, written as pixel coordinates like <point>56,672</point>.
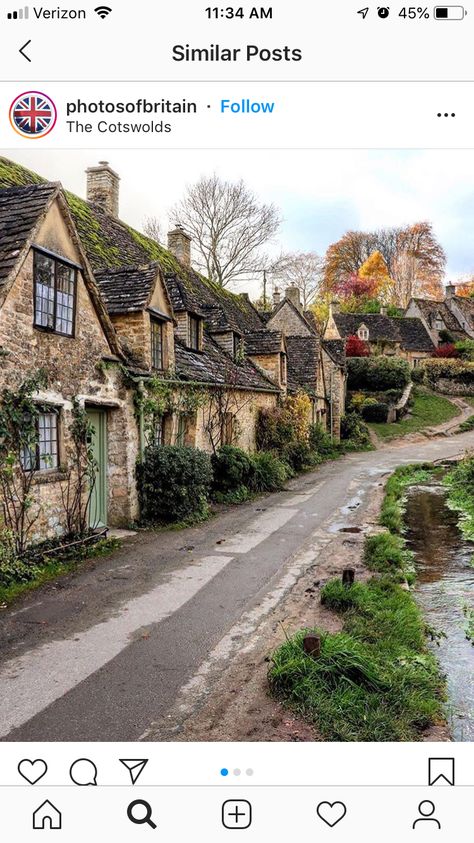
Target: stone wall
<point>291,323</point>
<point>335,392</point>
<point>246,406</point>
<point>451,387</point>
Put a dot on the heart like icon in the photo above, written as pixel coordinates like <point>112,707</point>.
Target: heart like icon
<point>32,771</point>
<point>331,813</point>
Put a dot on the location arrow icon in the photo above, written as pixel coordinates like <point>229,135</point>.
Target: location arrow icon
<point>135,767</point>
<point>364,12</point>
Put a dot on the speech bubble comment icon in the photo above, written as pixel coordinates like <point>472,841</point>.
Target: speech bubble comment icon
<point>83,772</point>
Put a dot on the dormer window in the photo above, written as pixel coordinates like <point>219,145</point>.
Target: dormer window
<point>194,333</point>
<point>439,324</point>
<point>55,282</point>
<point>157,357</point>
<point>237,346</point>
<point>363,333</point>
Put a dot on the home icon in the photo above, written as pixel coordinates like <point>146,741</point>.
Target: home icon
<point>47,816</point>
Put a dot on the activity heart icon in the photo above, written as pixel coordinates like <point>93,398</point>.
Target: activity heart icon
<point>331,813</point>
<point>32,771</point>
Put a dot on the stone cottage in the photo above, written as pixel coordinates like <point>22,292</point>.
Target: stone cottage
<point>52,317</point>
<point>314,365</point>
<point>449,320</point>
<point>391,336</point>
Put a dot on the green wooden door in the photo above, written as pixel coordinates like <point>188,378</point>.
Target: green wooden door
<point>98,501</point>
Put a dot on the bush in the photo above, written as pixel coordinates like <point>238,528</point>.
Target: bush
<point>354,430</point>
<point>320,440</point>
<point>174,483</point>
<point>418,375</point>
<point>355,347</point>
<point>465,349</point>
<point>16,571</point>
<point>446,350</point>
<point>377,373</point>
<point>269,473</point>
<point>285,431</point>
<point>375,412</point>
<point>456,370</point>
<point>231,468</point>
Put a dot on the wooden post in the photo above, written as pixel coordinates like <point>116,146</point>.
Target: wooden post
<point>348,577</point>
<point>312,646</point>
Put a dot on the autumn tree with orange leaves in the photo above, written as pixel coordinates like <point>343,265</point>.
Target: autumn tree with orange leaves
<point>414,259</point>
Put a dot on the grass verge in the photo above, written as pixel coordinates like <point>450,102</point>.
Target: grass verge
<point>47,570</point>
<point>460,484</point>
<point>428,410</point>
<point>376,680</point>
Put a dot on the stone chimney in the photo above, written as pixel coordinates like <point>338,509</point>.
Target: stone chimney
<point>384,310</point>
<point>179,243</point>
<point>276,297</point>
<point>103,188</point>
<point>334,307</point>
<point>293,294</point>
<point>450,291</point>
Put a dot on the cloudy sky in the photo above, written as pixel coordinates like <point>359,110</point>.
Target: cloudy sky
<point>321,193</point>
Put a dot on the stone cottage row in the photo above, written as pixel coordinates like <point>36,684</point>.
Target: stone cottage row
<point>108,313</point>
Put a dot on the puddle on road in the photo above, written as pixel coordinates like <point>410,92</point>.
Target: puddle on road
<point>445,586</point>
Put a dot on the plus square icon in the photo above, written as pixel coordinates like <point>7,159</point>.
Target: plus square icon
<point>237,813</point>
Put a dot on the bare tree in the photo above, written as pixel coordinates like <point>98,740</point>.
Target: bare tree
<point>300,269</point>
<point>152,229</point>
<point>229,227</point>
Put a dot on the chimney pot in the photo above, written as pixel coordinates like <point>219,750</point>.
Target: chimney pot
<point>293,294</point>
<point>103,188</point>
<point>179,243</point>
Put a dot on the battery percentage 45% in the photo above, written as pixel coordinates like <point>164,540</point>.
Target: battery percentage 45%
<point>414,13</point>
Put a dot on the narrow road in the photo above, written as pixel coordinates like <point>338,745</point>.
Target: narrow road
<point>106,652</point>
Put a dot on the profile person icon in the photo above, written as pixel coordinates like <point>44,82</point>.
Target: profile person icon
<point>426,809</point>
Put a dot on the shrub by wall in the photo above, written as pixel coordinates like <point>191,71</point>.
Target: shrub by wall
<point>377,374</point>
<point>461,371</point>
<point>232,468</point>
<point>173,483</point>
<point>375,412</point>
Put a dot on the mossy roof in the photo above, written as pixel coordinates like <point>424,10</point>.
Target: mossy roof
<point>112,244</point>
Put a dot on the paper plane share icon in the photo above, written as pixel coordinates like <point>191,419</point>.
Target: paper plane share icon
<point>135,767</point>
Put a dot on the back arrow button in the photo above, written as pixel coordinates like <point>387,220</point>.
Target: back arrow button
<point>21,50</point>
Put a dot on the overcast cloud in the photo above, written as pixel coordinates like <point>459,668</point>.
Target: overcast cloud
<point>321,194</point>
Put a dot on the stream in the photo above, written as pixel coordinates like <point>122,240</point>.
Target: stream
<point>445,586</point>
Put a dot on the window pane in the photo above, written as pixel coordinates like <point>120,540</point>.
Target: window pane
<point>44,291</point>
<point>48,440</point>
<point>65,281</point>
<point>194,333</point>
<point>157,345</point>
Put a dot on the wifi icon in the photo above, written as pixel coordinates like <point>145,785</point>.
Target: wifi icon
<point>103,11</point>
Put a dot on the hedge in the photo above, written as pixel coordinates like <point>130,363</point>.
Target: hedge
<point>449,369</point>
<point>173,483</point>
<point>375,412</point>
<point>377,374</point>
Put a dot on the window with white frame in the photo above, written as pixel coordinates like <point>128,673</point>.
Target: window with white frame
<point>54,294</point>
<point>363,333</point>
<point>44,454</point>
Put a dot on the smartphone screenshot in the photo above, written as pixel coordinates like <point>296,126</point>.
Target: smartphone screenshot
<point>236,421</point>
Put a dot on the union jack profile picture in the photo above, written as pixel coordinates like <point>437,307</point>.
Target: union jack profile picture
<point>33,114</point>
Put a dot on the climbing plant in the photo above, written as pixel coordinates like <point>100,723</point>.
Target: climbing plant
<point>77,490</point>
<point>168,395</point>
<point>18,440</point>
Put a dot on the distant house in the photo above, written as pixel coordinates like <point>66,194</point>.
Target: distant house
<point>450,319</point>
<point>390,336</point>
<point>314,365</point>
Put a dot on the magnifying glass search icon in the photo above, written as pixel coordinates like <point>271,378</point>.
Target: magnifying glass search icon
<point>139,812</point>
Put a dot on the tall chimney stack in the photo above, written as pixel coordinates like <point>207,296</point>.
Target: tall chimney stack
<point>276,297</point>
<point>450,291</point>
<point>293,294</point>
<point>179,243</point>
<point>103,188</point>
